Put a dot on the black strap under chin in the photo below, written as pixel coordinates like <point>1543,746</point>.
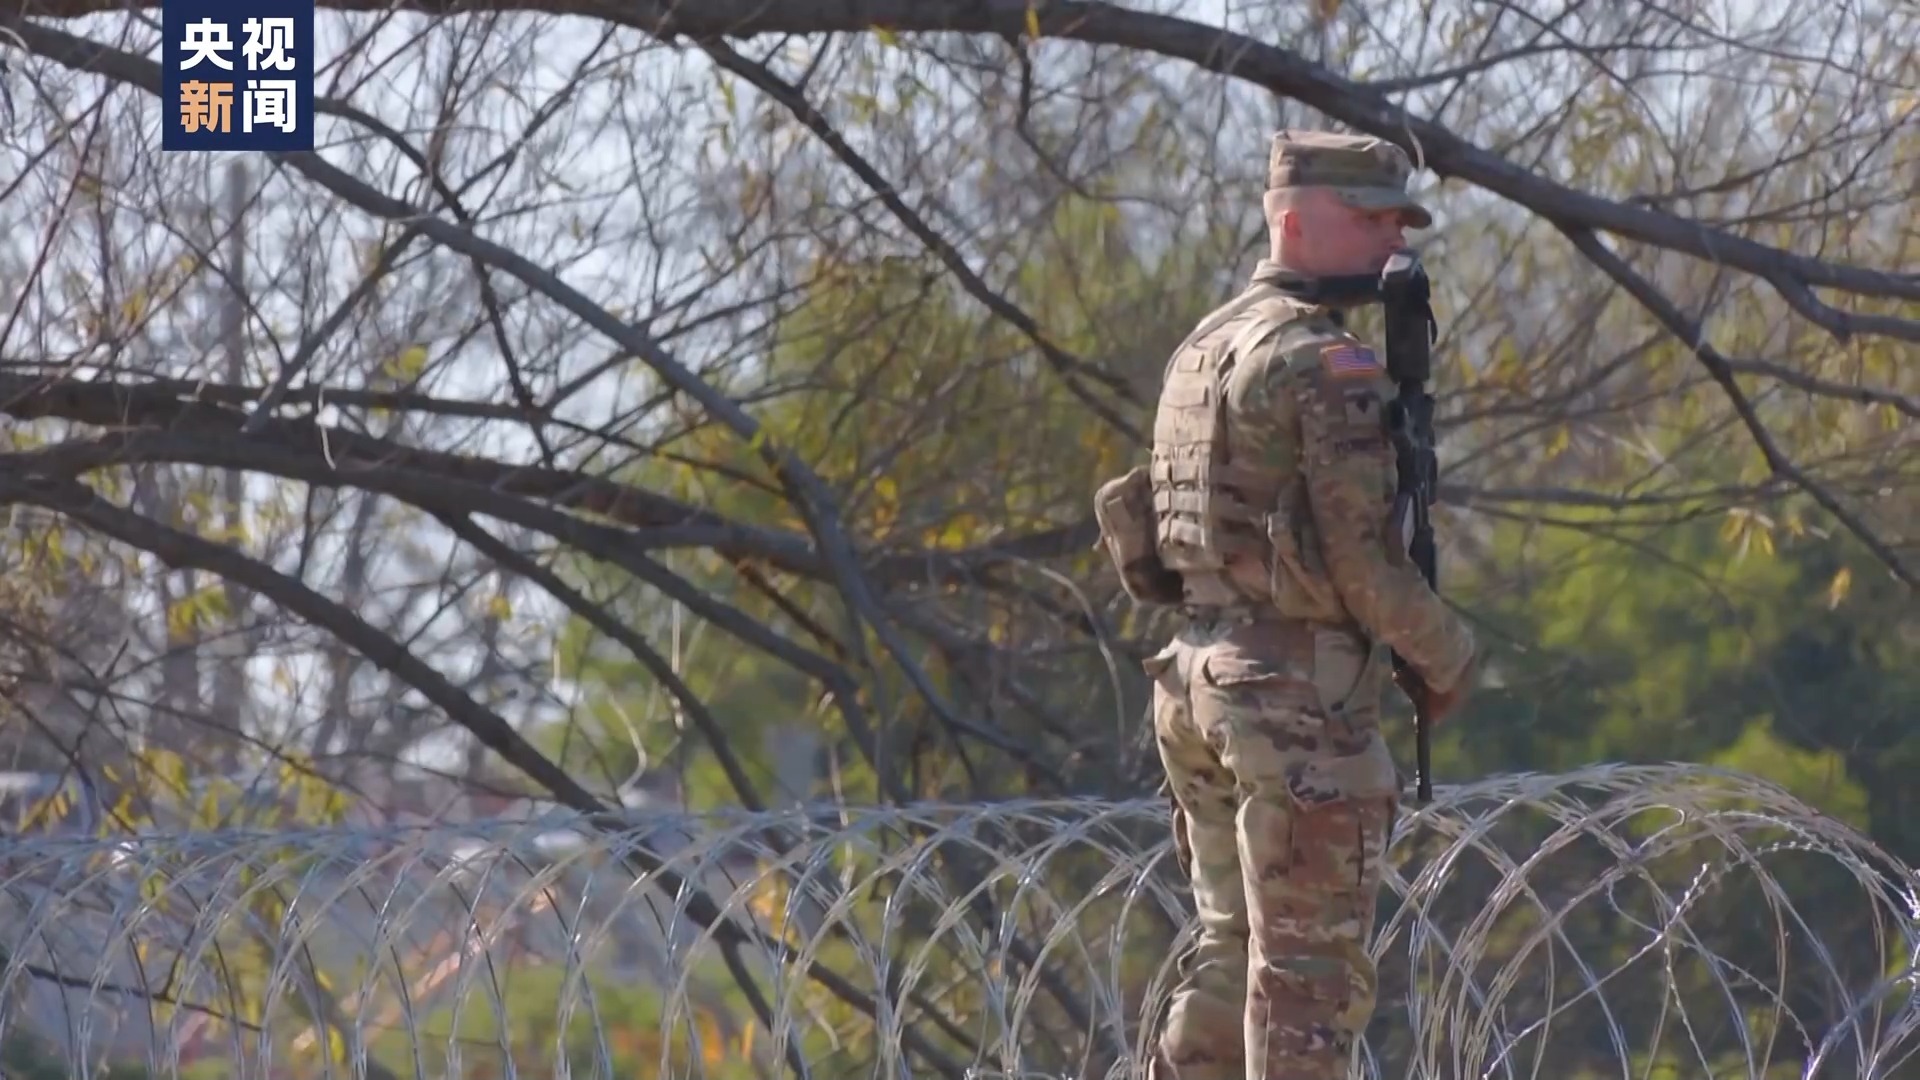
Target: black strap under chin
<point>1344,289</point>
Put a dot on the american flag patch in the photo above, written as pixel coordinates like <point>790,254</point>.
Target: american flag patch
<point>1348,358</point>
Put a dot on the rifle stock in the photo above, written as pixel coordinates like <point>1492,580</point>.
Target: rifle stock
<point>1410,331</point>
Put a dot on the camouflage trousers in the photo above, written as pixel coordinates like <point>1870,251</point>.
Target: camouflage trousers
<point>1284,797</point>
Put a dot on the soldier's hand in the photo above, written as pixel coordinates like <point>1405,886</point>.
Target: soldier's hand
<point>1439,703</point>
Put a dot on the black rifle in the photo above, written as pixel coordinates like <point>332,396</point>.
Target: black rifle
<point>1410,333</point>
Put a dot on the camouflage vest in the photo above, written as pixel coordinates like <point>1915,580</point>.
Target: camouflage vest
<point>1209,508</point>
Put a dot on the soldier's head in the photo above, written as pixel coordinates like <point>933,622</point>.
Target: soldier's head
<point>1338,204</point>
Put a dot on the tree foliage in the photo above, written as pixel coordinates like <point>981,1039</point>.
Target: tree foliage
<point>702,402</point>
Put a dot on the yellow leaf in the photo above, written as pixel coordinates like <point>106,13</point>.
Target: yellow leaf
<point>499,607</point>
<point>713,1047</point>
<point>1736,522</point>
<point>956,534</point>
<point>181,618</point>
<point>1748,530</point>
<point>886,504</point>
<point>1033,22</point>
<point>886,35</point>
<point>1838,588</point>
<point>409,364</point>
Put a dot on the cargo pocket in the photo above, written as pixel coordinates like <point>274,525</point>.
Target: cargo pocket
<point>1261,701</point>
<point>1344,798</point>
<point>1343,807</point>
<point>1326,779</point>
<point>1163,668</point>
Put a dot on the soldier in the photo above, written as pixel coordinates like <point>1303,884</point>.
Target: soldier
<point>1266,516</point>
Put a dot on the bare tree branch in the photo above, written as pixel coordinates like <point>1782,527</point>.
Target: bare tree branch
<point>1690,331</point>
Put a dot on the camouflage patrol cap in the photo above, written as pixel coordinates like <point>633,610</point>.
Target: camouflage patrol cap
<point>1362,171</point>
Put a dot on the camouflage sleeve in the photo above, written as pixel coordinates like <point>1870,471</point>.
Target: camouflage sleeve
<point>1347,460</point>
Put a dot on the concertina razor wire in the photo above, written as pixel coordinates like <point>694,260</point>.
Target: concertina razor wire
<point>1644,922</point>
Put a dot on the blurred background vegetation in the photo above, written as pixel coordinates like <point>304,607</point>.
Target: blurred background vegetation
<point>478,555</point>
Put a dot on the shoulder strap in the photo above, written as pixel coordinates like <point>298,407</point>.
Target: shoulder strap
<point>1220,317</point>
<point>1255,333</point>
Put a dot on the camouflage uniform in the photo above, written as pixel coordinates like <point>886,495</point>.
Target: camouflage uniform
<point>1270,489</point>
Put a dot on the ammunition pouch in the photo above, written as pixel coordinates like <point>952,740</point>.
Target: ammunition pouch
<point>1123,507</point>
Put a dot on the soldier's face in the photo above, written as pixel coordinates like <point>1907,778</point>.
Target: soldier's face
<point>1324,236</point>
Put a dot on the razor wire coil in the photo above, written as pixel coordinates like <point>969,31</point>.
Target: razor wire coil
<point>1631,921</point>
